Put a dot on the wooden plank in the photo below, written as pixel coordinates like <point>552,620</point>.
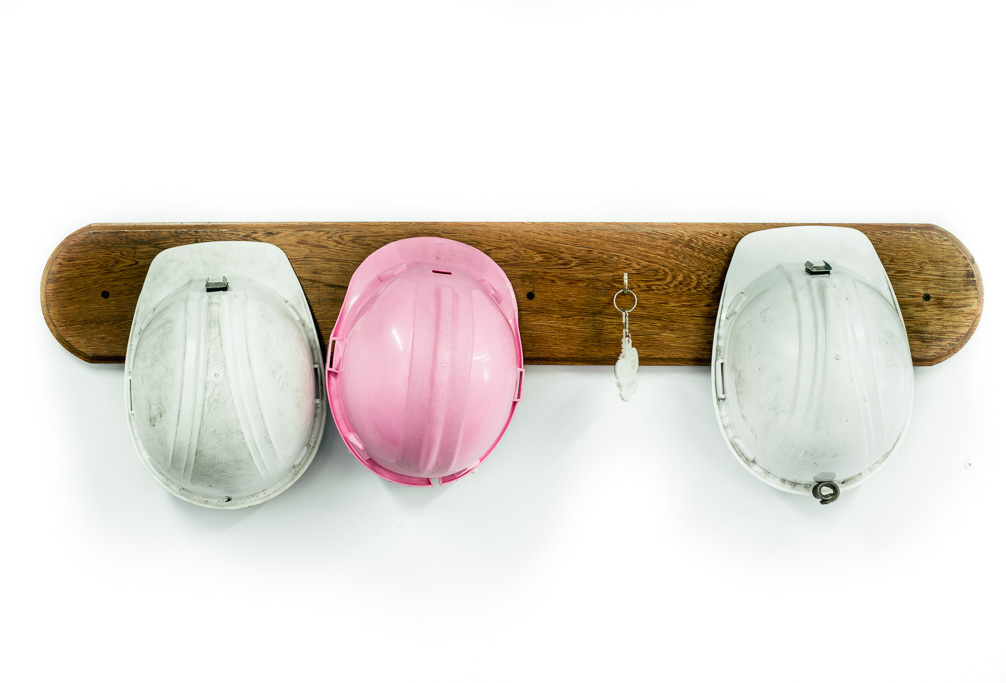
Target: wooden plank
<point>565,275</point>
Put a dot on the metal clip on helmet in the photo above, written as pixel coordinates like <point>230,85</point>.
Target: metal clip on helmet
<point>424,364</point>
<point>812,373</point>
<point>223,391</point>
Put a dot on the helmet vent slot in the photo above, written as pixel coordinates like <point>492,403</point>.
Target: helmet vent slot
<point>443,272</point>
<point>336,349</point>
<point>721,390</point>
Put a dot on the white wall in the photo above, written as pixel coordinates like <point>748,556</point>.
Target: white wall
<point>601,540</point>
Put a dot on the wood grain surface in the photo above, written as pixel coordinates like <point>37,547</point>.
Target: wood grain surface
<point>564,274</point>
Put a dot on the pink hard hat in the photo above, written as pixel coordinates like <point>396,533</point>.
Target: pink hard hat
<point>425,365</point>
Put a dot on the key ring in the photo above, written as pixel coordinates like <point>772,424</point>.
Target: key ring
<point>625,290</point>
<point>625,311</point>
<point>627,365</point>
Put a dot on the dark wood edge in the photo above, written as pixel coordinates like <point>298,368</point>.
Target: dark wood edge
<point>979,292</point>
<point>72,237</point>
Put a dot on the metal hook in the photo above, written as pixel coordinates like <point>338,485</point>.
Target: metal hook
<point>826,492</point>
<point>625,290</point>
<point>625,311</point>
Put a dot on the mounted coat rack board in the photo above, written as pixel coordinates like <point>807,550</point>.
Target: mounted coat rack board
<point>564,274</point>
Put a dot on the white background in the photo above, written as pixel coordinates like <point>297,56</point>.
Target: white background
<point>601,540</point>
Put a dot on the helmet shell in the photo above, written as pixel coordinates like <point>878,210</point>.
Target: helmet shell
<point>425,363</point>
<point>222,396</point>
<point>812,373</point>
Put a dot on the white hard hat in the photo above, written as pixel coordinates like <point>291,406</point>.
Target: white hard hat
<point>812,372</point>
<point>223,392</point>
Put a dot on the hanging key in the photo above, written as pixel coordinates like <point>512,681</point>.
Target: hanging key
<point>627,365</point>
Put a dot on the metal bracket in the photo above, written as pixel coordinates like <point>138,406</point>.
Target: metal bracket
<point>216,286</point>
<point>814,269</point>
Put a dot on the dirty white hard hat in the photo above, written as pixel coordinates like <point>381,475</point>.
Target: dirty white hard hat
<point>223,392</point>
<point>812,373</point>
